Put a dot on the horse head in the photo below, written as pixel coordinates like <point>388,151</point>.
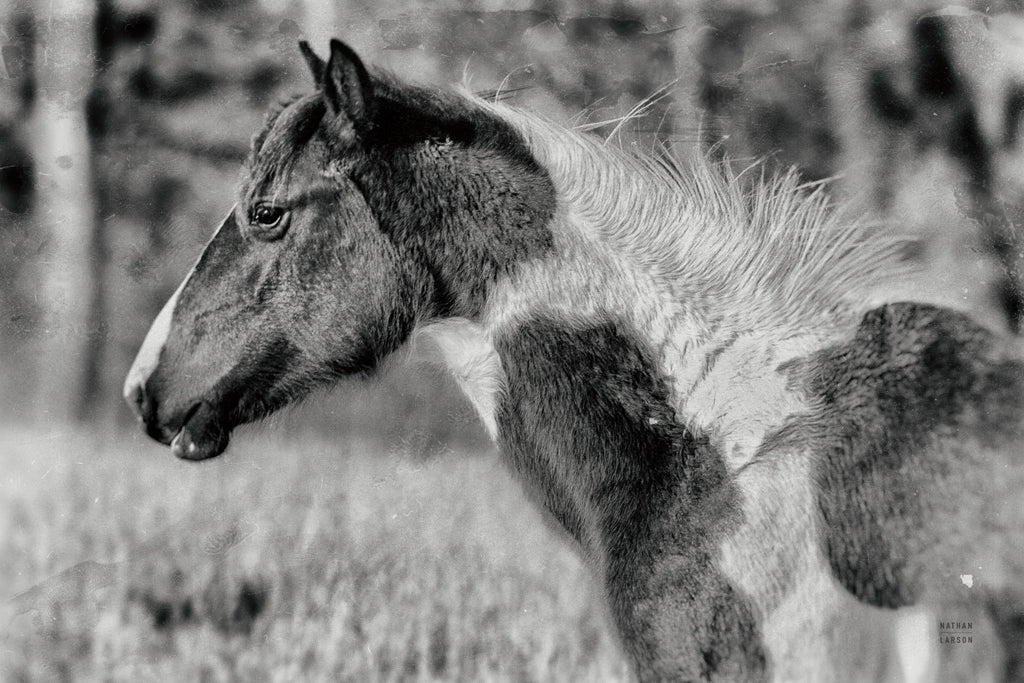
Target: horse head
<point>364,208</point>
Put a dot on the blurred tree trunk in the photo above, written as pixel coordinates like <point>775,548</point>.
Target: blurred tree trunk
<point>65,211</point>
<point>16,192</point>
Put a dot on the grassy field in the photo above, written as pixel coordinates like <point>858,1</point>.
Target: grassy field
<point>286,559</point>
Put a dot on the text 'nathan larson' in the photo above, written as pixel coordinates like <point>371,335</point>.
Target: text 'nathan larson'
<point>956,632</point>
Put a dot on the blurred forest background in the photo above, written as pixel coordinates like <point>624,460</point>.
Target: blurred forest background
<point>122,126</point>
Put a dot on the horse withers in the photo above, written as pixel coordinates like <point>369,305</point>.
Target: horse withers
<point>773,474</point>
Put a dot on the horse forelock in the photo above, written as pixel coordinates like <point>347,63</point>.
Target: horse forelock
<point>285,132</point>
<point>269,119</point>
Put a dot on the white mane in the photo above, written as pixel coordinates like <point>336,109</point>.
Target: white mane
<point>727,277</point>
<point>753,251</point>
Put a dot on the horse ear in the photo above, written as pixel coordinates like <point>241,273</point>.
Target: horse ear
<point>347,86</point>
<point>316,65</point>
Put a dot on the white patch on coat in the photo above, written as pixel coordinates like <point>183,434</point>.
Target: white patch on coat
<point>774,559</point>
<point>810,626</point>
<point>148,356</point>
<point>466,350</point>
<point>742,396</point>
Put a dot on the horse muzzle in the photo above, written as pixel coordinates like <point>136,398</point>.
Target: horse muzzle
<point>197,433</point>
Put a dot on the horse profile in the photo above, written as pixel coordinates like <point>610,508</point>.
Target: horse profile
<point>772,473</point>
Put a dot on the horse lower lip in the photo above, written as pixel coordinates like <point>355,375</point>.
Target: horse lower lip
<point>184,447</point>
<point>201,436</point>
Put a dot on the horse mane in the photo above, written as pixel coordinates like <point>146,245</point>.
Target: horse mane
<point>748,250</point>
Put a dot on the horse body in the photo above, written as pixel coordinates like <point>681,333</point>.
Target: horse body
<point>762,464</point>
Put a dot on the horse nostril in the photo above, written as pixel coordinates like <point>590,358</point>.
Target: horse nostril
<point>137,399</point>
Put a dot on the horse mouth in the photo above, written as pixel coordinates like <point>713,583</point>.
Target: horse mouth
<point>202,435</point>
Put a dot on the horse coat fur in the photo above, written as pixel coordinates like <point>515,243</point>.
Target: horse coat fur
<point>773,472</point>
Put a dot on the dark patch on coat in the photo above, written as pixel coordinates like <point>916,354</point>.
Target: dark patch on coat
<point>894,406</point>
<point>456,189</point>
<point>585,422</point>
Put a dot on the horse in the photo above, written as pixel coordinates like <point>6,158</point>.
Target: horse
<point>774,471</point>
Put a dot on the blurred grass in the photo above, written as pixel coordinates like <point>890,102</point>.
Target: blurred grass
<point>289,558</point>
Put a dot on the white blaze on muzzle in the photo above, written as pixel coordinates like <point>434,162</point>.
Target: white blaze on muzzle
<point>149,353</point>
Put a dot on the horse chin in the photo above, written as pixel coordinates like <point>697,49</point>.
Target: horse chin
<point>202,436</point>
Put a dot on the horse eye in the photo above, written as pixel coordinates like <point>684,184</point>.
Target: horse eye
<point>269,222</point>
<point>267,215</point>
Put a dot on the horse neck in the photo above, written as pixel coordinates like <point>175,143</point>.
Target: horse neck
<point>719,285</point>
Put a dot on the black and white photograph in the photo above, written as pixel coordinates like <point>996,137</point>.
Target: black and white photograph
<point>511,340</point>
